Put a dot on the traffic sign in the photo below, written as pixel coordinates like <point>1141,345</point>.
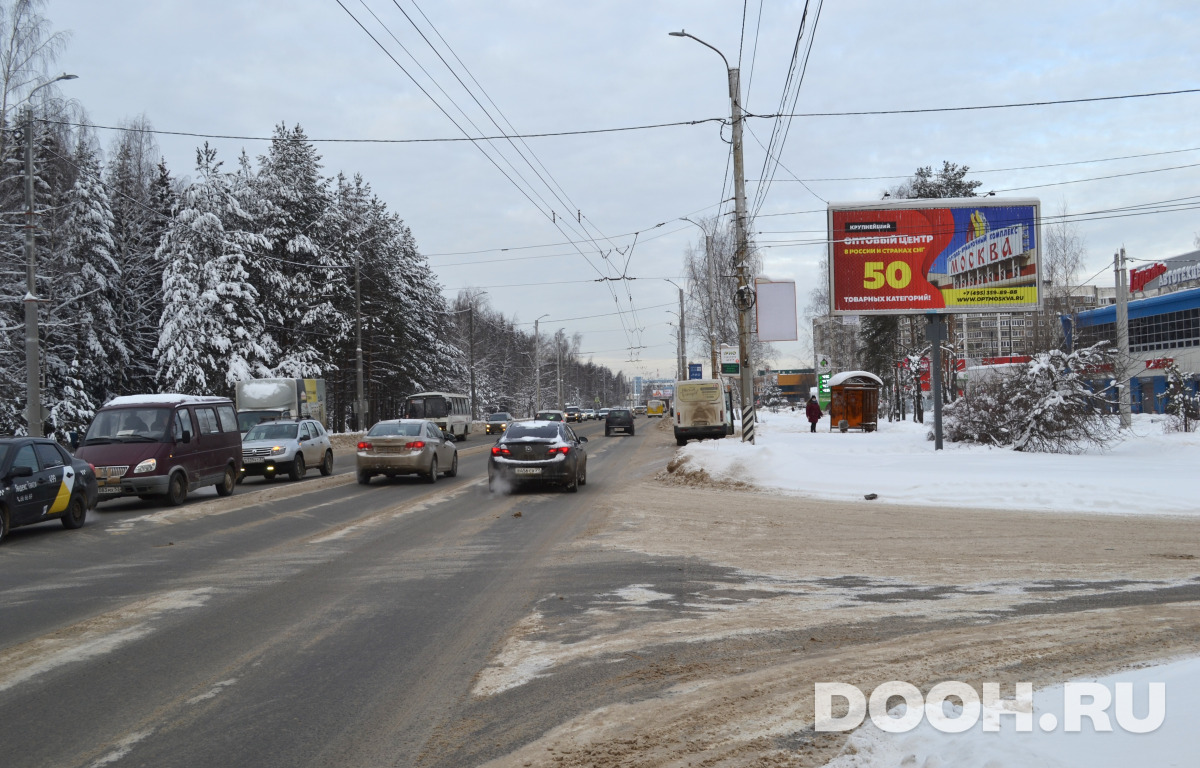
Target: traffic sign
<point>730,369</point>
<point>695,371</point>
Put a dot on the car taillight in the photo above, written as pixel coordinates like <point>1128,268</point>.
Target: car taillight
<point>364,446</point>
<point>563,449</point>
<point>678,417</point>
<point>499,451</point>
<point>415,445</point>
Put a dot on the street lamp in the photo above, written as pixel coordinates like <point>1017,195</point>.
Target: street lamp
<point>33,402</point>
<point>537,368</point>
<point>744,292</point>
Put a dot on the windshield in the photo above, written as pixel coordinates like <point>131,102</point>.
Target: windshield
<point>426,408</point>
<point>273,432</point>
<point>392,429</point>
<point>247,419</point>
<point>520,430</point>
<point>120,425</point>
<point>499,417</point>
<point>618,412</point>
<point>549,416</point>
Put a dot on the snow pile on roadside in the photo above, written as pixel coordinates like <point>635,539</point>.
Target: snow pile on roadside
<point>1172,743</point>
<point>1149,472</point>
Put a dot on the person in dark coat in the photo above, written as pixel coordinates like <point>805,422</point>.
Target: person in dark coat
<point>813,411</point>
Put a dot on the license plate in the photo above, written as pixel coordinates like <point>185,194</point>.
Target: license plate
<point>253,460</point>
<point>700,423</point>
<point>528,471</point>
<point>109,490</point>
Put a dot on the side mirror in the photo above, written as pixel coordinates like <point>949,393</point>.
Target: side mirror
<point>20,472</point>
<point>582,439</point>
<point>449,437</point>
<point>186,437</point>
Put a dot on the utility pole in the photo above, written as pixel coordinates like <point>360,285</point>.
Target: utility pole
<point>471,351</point>
<point>360,407</point>
<point>712,307</point>
<point>558,346</point>
<point>745,294</point>
<point>1121,368</point>
<point>682,341</point>
<point>537,368</point>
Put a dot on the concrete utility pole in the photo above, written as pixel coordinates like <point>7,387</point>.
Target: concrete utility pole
<point>1121,369</point>
<point>537,368</point>
<point>745,293</point>
<point>558,345</point>
<point>683,374</point>
<point>712,307</point>
<point>360,406</point>
<point>33,368</point>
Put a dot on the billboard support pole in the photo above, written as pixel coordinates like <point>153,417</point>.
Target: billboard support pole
<point>936,334</point>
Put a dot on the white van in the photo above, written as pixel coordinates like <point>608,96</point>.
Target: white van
<point>699,410</point>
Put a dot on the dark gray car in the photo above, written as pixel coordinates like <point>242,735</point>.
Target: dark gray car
<point>618,419</point>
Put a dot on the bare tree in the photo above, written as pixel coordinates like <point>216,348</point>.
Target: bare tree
<point>28,47</point>
<point>1063,251</point>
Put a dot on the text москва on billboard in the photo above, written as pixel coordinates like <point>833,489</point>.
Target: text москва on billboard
<point>941,256</point>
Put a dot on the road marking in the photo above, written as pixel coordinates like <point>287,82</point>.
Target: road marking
<point>212,692</point>
<point>124,746</point>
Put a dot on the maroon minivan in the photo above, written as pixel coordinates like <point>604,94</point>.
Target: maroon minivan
<point>153,446</point>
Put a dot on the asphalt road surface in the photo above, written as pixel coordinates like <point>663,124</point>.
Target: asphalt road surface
<point>295,624</point>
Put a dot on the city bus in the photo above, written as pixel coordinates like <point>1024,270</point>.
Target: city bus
<point>451,412</point>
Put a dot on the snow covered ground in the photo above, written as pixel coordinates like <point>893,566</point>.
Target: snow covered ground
<point>1149,472</point>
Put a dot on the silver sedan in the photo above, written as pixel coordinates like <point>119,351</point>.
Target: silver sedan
<point>406,447</point>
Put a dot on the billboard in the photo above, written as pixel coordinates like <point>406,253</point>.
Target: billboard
<point>941,256</point>
<point>775,309</point>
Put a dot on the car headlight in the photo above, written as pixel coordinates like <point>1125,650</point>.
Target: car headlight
<point>277,450</point>
<point>149,465</point>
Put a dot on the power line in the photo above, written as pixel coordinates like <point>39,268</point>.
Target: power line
<point>649,126</point>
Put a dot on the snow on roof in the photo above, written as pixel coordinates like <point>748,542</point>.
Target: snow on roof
<point>838,378</point>
<point>165,398</point>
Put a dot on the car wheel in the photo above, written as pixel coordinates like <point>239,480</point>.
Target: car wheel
<point>225,487</point>
<point>583,474</point>
<point>327,464</point>
<point>3,524</point>
<point>240,478</point>
<point>433,471</point>
<point>297,471</point>
<point>453,471</point>
<point>364,478</point>
<point>463,436</point>
<point>631,431</point>
<point>76,513</point>
<point>573,484</point>
<point>176,489</point>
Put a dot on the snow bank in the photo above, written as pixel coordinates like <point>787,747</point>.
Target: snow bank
<point>1149,472</point>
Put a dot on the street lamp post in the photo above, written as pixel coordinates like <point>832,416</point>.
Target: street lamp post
<point>744,292</point>
<point>33,391</point>
<point>681,352</point>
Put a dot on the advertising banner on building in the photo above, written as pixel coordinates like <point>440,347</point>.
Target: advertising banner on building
<point>941,256</point>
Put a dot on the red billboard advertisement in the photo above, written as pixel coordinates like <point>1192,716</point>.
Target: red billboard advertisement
<point>941,256</point>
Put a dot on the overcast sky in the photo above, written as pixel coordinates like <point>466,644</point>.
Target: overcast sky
<point>240,67</point>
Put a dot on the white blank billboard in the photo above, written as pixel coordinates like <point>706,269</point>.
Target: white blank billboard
<point>775,309</point>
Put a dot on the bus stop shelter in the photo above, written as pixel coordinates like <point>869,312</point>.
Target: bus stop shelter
<point>854,398</point>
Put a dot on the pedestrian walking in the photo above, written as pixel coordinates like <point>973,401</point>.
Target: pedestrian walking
<point>813,411</point>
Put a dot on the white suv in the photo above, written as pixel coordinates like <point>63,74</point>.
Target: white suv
<point>286,445</point>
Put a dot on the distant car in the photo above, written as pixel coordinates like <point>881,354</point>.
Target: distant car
<point>550,416</point>
<point>574,413</point>
<point>496,423</point>
<point>655,408</point>
<point>406,447</point>
<point>618,419</point>
<point>286,445</point>
<point>39,481</point>
<point>603,412</point>
<point>639,410</point>
<point>589,414</point>
<point>539,452</point>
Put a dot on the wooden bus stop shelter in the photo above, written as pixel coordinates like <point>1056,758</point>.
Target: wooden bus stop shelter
<point>854,398</point>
